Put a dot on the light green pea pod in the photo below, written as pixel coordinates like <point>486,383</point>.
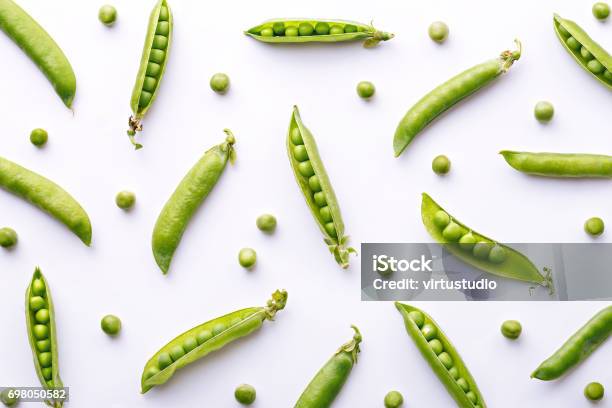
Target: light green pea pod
<point>566,165</point>
<point>206,338</point>
<point>152,66</point>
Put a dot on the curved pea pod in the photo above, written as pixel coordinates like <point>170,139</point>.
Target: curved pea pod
<point>587,53</point>
<point>47,196</point>
<point>312,179</point>
<point>40,47</point>
<point>328,382</point>
<point>189,194</point>
<point>152,66</point>
<point>448,94</point>
<point>478,250</point>
<point>441,356</point>
<point>40,322</point>
<point>569,165</point>
<point>324,31</point>
<point>206,338</point>
<point>577,348</point>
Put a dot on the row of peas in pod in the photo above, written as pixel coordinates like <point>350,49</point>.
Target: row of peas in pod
<point>305,28</point>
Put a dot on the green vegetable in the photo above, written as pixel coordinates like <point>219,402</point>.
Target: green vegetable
<point>594,391</point>
<point>7,398</point>
<point>266,223</point>
<point>40,47</point>
<point>601,10</point>
<point>594,226</point>
<point>47,196</point>
<point>8,237</point>
<point>366,89</point>
<point>152,66</point>
<point>312,179</point>
<point>441,165</point>
<point>220,83</point>
<point>247,257</point>
<point>125,199</point>
<point>448,94</point>
<point>578,347</point>
<point>189,194</point>
<point>209,336</point>
<point>327,383</point>
<point>511,329</point>
<point>245,394</point>
<point>438,31</point>
<point>570,165</point>
<point>544,111</point>
<point>107,15</point>
<point>447,364</point>
<point>394,399</point>
<point>39,137</point>
<point>111,325</point>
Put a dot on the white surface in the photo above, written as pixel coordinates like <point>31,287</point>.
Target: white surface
<point>89,155</point>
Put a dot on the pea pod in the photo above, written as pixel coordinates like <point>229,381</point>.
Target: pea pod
<point>40,47</point>
<point>312,178</point>
<point>189,194</point>
<point>327,383</point>
<point>442,357</point>
<point>448,94</point>
<point>152,66</point>
<point>560,164</point>
<point>587,53</point>
<point>577,348</point>
<point>295,31</point>
<point>206,338</point>
<point>47,196</point>
<point>478,250</point>
<point>40,321</point>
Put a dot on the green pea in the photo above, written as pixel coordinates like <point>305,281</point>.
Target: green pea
<point>454,372</point>
<point>417,318</point>
<point>441,219</point>
<point>322,28</point>
<point>291,32</point>
<point>320,199</point>
<point>595,66</point>
<point>472,397</point>
<point>8,237</point>
<point>594,391</point>
<point>45,359</point>
<point>177,352</point>
<point>107,15</point>
<point>325,214</point>
<point>467,241</point>
<point>296,137</point>
<point>160,42</point>
<point>189,344</point>
<point>573,43</point>
<point>111,325</point>
<point>446,359</point>
<point>37,303</point>
<point>278,28</point>
<point>452,232</point>
<point>7,398</point>
<point>163,14</point>
<point>594,226</point>
<point>267,32</point>
<point>153,69</point>
<point>38,137</point>
<point>314,183</point>
<point>38,287</point>
<point>608,75</point>
<point>42,316</point>
<point>441,165</point>
<point>203,336</point>
<point>149,84</point>
<point>511,329</point>
<point>305,29</point>
<point>562,30</point>
<point>245,394</point>
<point>145,98</point>
<point>586,54</point>
<point>299,153</point>
<point>601,10</point>
<point>336,30</point>
<point>47,373</point>
<point>151,371</point>
<point>331,230</point>
<point>544,111</point>
<point>41,331</point>
<point>463,384</point>
<point>497,254</point>
<point>481,250</point>
<point>365,89</point>
<point>218,328</point>
<point>429,331</point>
<point>125,199</point>
<point>394,399</point>
<point>305,168</point>
<point>266,223</point>
<point>350,28</point>
<point>247,257</point>
<point>220,83</point>
<point>164,360</point>
<point>43,345</point>
<point>436,346</point>
<point>157,56</point>
<point>438,31</point>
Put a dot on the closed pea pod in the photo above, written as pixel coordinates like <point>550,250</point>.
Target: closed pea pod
<point>189,194</point>
<point>210,336</point>
<point>569,165</point>
<point>312,179</point>
<point>152,66</point>
<point>328,382</point>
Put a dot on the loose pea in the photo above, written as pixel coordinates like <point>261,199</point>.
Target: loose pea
<point>417,318</point>
<point>331,229</point>
<point>300,153</point>
<point>266,223</point>
<point>441,165</point>
<point>8,237</point>
<point>429,331</point>
<point>322,28</point>
<point>305,168</point>
<point>267,32</point>
<point>454,372</point>
<point>320,199</point>
<point>350,28</point>
<point>325,214</point>
<point>446,359</point>
<point>601,10</point>
<point>594,391</point>
<point>220,83</point>
<point>43,345</point>
<point>305,29</point>
<point>336,29</point>
<point>177,352</point>
<point>463,384</point>
<point>41,331</point>
<point>573,43</point>
<point>189,344</point>
<point>203,336</point>
<point>595,66</point>
<point>125,199</point>
<point>45,359</point>
<point>467,241</point>
<point>544,111</point>
<point>481,250</point>
<point>218,328</point>
<point>7,399</point>
<point>366,89</point>
<point>278,28</point>
<point>247,257</point>
<point>586,54</point>
<point>296,137</point>
<point>291,32</point>
<point>314,183</point>
<point>594,226</point>
<point>37,303</point>
<point>111,325</point>
<point>441,219</point>
<point>394,399</point>
<point>497,254</point>
<point>511,329</point>
<point>38,137</point>
<point>42,316</point>
<point>436,346</point>
<point>438,31</point>
<point>38,287</point>
<point>107,15</point>
<point>245,394</point>
<point>452,232</point>
<point>164,360</point>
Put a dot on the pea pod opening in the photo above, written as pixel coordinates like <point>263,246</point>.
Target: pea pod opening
<point>210,336</point>
<point>566,165</point>
<point>448,94</point>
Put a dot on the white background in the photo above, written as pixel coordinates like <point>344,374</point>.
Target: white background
<point>89,155</point>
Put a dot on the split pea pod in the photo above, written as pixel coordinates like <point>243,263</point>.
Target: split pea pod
<point>478,250</point>
<point>312,179</point>
<point>47,196</point>
<point>293,31</point>
<point>577,348</point>
<point>442,357</point>
<point>587,53</point>
<point>152,66</point>
<point>40,47</point>
<point>206,338</point>
<point>448,94</point>
<point>328,382</point>
<point>40,321</point>
<point>569,165</point>
<point>189,194</point>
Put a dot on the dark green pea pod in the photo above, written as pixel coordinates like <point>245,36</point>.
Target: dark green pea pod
<point>320,197</point>
<point>275,31</point>
<point>587,53</point>
<point>566,165</point>
<point>152,66</point>
<point>442,357</point>
<point>509,263</point>
<point>577,348</point>
<point>40,322</point>
<point>328,382</point>
<point>206,338</point>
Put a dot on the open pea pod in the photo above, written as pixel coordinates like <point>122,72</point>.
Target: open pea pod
<point>478,250</point>
<point>587,53</point>
<point>206,338</point>
<point>442,357</point>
